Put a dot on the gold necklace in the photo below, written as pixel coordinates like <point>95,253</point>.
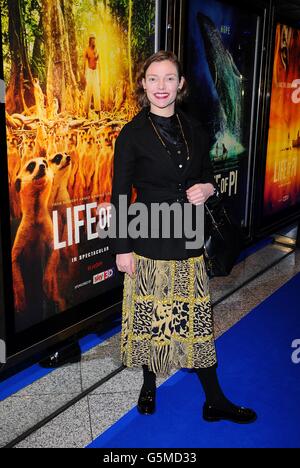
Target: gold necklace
<point>163,143</point>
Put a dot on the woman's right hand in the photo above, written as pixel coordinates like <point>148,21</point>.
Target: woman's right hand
<point>125,263</point>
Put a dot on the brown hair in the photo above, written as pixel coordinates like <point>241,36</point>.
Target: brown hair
<point>159,57</point>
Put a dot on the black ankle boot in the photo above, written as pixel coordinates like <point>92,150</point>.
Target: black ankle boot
<point>146,402</point>
<point>237,414</point>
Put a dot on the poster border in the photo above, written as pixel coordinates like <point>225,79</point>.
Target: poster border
<point>266,224</point>
<point>260,9</point>
<point>74,320</point>
<point>5,285</point>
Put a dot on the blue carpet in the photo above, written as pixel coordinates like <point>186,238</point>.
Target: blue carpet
<point>35,372</point>
<point>256,370</point>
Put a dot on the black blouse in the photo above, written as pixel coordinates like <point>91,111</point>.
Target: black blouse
<point>170,132</point>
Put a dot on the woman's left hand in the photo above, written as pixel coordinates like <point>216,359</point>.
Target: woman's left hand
<point>197,194</point>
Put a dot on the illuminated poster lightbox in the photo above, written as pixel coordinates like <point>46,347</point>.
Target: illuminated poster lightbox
<point>220,51</point>
<point>282,177</point>
<point>70,68</point>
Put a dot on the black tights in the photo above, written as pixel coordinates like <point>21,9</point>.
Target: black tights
<point>149,379</point>
<point>209,380</point>
<point>213,392</point>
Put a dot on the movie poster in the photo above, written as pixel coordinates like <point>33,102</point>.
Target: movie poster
<point>282,177</point>
<point>220,54</point>
<point>2,307</point>
<point>2,316</point>
<point>70,69</point>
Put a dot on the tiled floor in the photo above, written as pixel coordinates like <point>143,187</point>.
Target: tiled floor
<point>93,414</point>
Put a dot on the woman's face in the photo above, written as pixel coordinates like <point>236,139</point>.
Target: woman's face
<point>161,84</point>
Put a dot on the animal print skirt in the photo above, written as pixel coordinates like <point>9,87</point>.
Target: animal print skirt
<point>166,315</point>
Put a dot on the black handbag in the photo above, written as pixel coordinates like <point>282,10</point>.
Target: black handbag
<point>223,239</point>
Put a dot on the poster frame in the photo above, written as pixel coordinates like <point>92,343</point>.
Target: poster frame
<point>263,225</point>
<point>261,10</point>
<point>4,245</point>
<point>102,309</point>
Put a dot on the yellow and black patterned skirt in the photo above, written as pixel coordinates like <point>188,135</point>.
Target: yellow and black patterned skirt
<point>166,315</point>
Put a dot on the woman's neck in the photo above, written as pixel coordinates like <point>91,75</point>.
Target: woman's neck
<point>163,112</point>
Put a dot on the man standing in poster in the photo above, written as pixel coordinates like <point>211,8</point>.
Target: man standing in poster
<point>92,79</point>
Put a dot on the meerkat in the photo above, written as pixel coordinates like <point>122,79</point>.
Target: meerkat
<point>51,146</point>
<point>79,185</point>
<point>39,99</point>
<point>41,143</point>
<point>34,238</point>
<point>52,108</point>
<point>89,161</point>
<point>14,165</point>
<point>60,163</point>
<point>104,164</point>
<point>14,158</point>
<point>73,152</point>
<point>27,149</point>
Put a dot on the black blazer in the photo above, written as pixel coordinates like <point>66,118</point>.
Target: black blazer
<point>140,160</point>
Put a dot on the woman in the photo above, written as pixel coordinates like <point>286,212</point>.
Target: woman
<point>166,314</point>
